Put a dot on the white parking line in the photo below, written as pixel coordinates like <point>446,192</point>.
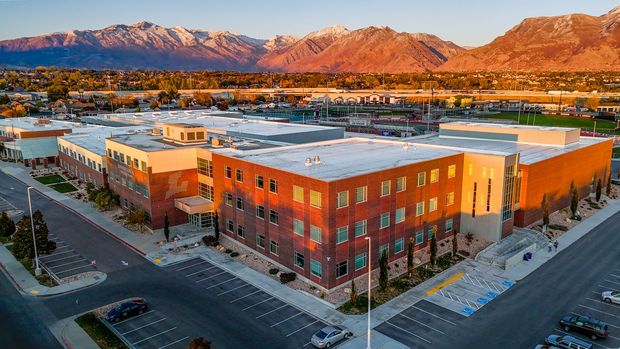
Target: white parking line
<point>285,320</point>
<point>64,271</point>
<point>56,254</point>
<point>253,305</point>
<point>175,342</point>
<point>437,316</point>
<point>613,282</point>
<point>210,277</point>
<point>200,271</point>
<point>271,311</point>
<point>247,295</point>
<point>572,334</point>
<point>60,259</point>
<point>132,318</point>
<point>141,327</point>
<point>232,289</point>
<point>68,263</point>
<point>411,333</point>
<point>155,335</point>
<point>421,323</point>
<point>616,276</point>
<point>61,247</point>
<point>192,265</point>
<point>607,288</point>
<point>600,311</point>
<point>308,325</point>
<point>223,282</point>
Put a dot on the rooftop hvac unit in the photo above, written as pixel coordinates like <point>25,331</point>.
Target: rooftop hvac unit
<point>317,160</point>
<point>308,162</point>
<point>156,132</point>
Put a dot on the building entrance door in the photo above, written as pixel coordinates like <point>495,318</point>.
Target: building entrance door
<point>202,220</point>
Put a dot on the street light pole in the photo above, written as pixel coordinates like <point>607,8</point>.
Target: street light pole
<point>37,270</point>
<point>369,297</point>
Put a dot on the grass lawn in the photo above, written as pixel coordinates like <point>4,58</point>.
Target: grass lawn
<point>65,187</point>
<point>556,120</point>
<point>51,179</point>
<point>104,338</point>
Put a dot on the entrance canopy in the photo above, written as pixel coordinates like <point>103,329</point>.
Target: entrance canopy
<point>193,204</point>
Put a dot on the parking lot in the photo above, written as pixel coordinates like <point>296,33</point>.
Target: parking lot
<point>65,261</point>
<point>592,305</point>
<point>7,207</point>
<point>468,292</point>
<point>150,330</point>
<point>278,318</point>
<point>418,325</point>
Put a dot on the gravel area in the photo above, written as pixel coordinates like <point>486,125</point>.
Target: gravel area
<point>75,277</point>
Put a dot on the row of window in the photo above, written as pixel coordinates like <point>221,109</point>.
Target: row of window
<point>127,182</point>
<point>81,158</point>
<point>127,160</point>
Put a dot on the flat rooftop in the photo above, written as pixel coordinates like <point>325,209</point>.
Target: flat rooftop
<point>512,126</point>
<point>31,124</point>
<point>94,139</point>
<point>343,158</point>
<point>148,142</point>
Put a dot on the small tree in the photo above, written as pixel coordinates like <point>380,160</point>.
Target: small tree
<point>545,210</point>
<point>383,270</point>
<point>22,238</point>
<point>166,227</point>
<point>353,293</point>
<point>7,226</point>
<point>608,186</point>
<point>410,256</point>
<point>199,343</point>
<point>574,201</point>
<point>455,244</point>
<point>434,246</point>
<point>137,217</point>
<point>216,226</point>
<point>599,189</point>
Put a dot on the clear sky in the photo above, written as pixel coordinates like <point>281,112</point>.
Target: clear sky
<point>466,22</point>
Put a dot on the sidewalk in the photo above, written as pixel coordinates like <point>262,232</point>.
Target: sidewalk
<point>71,335</point>
<point>30,286</point>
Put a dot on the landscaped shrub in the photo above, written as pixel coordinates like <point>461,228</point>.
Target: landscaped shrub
<point>228,250</point>
<point>464,253</point>
<point>558,227</point>
<point>209,240</point>
<point>287,277</point>
<point>273,271</point>
<point>234,254</point>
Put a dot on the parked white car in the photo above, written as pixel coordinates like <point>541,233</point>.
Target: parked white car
<point>611,296</point>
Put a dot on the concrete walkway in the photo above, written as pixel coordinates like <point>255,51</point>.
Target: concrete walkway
<point>71,335</point>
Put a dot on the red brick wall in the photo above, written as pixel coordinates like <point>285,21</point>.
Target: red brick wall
<point>101,178</point>
<point>43,133</point>
<point>554,176</point>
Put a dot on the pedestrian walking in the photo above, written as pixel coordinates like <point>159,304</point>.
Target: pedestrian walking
<point>555,244</point>
<point>549,246</point>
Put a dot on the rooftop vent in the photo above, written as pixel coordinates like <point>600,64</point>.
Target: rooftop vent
<point>317,159</point>
<point>156,132</point>
<point>308,162</point>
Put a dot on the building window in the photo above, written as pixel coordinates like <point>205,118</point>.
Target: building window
<point>385,220</point>
<point>191,136</point>
<point>143,166</point>
<point>260,241</point>
<point>273,217</point>
<point>298,227</point>
<point>136,163</point>
<point>432,204</point>
<point>241,231</point>
<point>206,191</point>
<point>400,215</point>
<point>360,194</point>
<point>115,155</point>
<point>230,226</point>
<point>360,261</point>
<point>227,172</point>
<point>384,249</point>
<point>470,169</point>
<point>274,247</point>
<point>509,179</point>
<point>473,205</point>
<point>342,269</point>
<point>518,187</point>
<point>451,171</point>
<point>273,186</point>
<point>401,184</point>
<point>260,184</point>
<point>315,234</point>
<point>419,208</point>
<point>342,234</point>
<point>299,260</point>
<point>240,204</point>
<point>398,245</point>
<point>128,160</point>
<point>450,198</point>
<point>484,172</point>
<point>360,228</point>
<point>449,225</point>
<point>298,194</point>
<point>342,199</point>
<point>315,198</point>
<point>385,188</point>
<point>260,212</point>
<point>228,199</point>
<point>120,155</point>
<point>205,167</point>
<point>434,175</point>
<point>419,238</point>
<point>421,179</point>
<point>239,175</point>
<point>489,195</point>
<point>315,268</point>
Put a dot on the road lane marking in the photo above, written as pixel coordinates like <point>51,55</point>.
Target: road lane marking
<point>132,318</point>
<point>437,316</point>
<point>192,265</point>
<point>155,335</point>
<point>285,320</point>
<point>251,306</point>
<point>141,327</point>
<point>212,276</point>
<point>200,271</point>
<point>271,311</point>
<point>411,333</point>
<point>236,288</point>
<point>175,342</point>
<point>444,284</point>
<point>247,295</point>
<point>421,323</point>
<point>308,325</point>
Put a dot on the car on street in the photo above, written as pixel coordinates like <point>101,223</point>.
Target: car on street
<point>595,329</point>
<point>611,296</point>
<point>330,335</point>
<point>126,310</point>
<point>567,342</point>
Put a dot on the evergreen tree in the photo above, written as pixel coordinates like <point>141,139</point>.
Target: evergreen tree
<point>599,189</point>
<point>216,226</point>
<point>545,210</point>
<point>608,187</point>
<point>434,247</point>
<point>455,244</point>
<point>7,226</point>
<point>574,201</point>
<point>199,343</point>
<point>410,255</point>
<point>353,293</point>
<point>166,227</point>
<point>383,271</point>
<point>22,239</point>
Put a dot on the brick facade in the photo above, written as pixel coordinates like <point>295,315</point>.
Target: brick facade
<point>80,170</point>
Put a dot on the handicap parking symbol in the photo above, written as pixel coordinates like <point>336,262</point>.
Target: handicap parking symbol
<point>483,300</point>
<point>468,311</point>
<point>508,283</point>
<point>491,294</point>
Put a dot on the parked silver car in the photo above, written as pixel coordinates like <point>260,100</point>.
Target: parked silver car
<point>611,296</point>
<point>330,335</point>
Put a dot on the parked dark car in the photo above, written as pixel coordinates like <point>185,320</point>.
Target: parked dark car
<point>126,310</point>
<point>595,329</point>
